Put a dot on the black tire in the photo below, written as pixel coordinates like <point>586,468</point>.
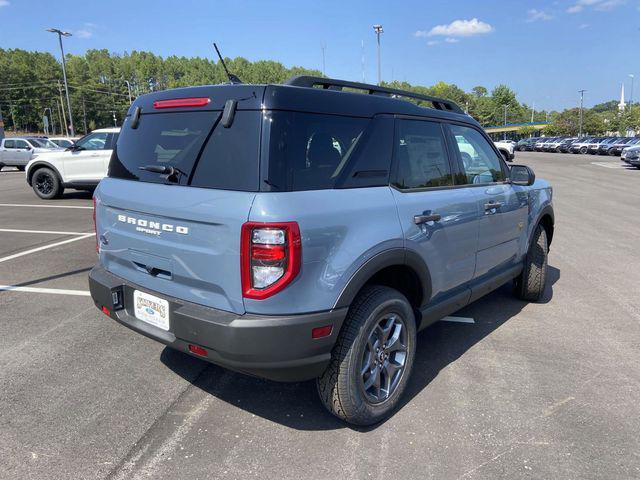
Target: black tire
<point>21,168</point>
<point>531,283</point>
<point>1,166</point>
<point>505,155</point>
<point>342,387</point>
<point>46,184</point>
<point>583,150</point>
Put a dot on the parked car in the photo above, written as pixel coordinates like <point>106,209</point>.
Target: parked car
<point>18,151</point>
<point>538,147</point>
<point>80,166</point>
<point>236,225</point>
<point>565,145</point>
<point>616,148</point>
<point>581,145</point>
<point>605,146</point>
<point>553,144</point>
<point>595,144</point>
<point>631,156</point>
<point>62,142</point>
<point>526,144</point>
<point>506,149</point>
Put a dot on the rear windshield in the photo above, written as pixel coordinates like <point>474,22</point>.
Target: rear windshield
<point>203,152</point>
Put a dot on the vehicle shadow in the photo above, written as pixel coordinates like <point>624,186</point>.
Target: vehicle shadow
<point>296,405</point>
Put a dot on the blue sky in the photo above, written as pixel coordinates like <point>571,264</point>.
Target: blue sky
<point>544,50</point>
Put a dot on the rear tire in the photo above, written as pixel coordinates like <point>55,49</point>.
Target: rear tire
<point>505,156</point>
<point>583,150</point>
<point>375,349</point>
<point>1,166</point>
<point>46,184</point>
<point>21,168</point>
<point>530,284</point>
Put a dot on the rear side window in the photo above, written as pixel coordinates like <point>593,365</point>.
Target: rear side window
<point>421,155</point>
<point>204,152</point>
<point>309,151</point>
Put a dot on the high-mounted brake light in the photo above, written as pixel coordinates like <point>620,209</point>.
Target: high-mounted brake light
<point>181,102</point>
<point>270,256</point>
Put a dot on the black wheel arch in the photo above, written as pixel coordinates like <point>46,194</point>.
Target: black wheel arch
<point>389,262</point>
<point>546,218</point>
<point>33,168</point>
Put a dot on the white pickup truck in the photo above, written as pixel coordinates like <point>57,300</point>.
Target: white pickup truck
<point>18,151</point>
<point>80,166</point>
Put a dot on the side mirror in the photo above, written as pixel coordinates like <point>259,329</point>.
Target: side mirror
<point>522,175</point>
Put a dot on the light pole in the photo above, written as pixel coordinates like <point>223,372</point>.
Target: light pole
<point>631,93</point>
<point>378,30</point>
<point>64,73</point>
<point>581,92</point>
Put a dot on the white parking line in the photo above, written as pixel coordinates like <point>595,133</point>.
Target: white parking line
<point>44,247</point>
<point>14,230</point>
<point>609,164</point>
<point>55,291</point>
<point>458,319</point>
<point>42,206</point>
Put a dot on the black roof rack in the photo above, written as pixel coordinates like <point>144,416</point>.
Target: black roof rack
<point>333,84</point>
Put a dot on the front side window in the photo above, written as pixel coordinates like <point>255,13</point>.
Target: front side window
<point>93,141</point>
<point>22,144</point>
<point>480,162</point>
<point>421,155</point>
<point>10,144</point>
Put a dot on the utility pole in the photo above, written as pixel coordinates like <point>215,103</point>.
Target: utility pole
<point>64,73</point>
<point>505,121</point>
<point>84,115</point>
<point>128,88</point>
<point>581,92</point>
<point>60,118</point>
<point>323,47</point>
<point>64,118</point>
<point>378,29</point>
<point>533,110</point>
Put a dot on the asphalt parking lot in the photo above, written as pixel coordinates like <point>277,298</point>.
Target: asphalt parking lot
<point>548,390</point>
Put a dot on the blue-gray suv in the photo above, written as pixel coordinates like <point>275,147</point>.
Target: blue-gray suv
<point>309,230</point>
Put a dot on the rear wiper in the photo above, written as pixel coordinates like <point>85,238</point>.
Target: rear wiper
<point>173,174</point>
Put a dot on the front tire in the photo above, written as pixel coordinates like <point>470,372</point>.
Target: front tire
<point>21,168</point>
<point>372,358</point>
<point>583,150</point>
<point>46,184</point>
<point>530,284</point>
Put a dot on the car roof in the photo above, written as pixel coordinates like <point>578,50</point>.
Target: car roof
<point>304,99</point>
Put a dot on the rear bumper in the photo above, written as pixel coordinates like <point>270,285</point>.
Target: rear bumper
<point>275,347</point>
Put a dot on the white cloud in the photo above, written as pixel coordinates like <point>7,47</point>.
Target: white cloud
<point>458,28</point>
<point>534,15</point>
<point>451,40</point>
<point>600,5</point>
<point>431,43</point>
<point>583,26</point>
<point>84,33</point>
<point>4,3</point>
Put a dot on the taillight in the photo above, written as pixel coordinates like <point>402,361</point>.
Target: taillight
<point>95,228</point>
<point>270,256</point>
<point>181,103</point>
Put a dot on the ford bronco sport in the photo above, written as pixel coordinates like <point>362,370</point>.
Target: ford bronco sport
<point>309,230</point>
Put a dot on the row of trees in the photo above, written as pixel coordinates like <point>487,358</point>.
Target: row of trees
<point>101,83</point>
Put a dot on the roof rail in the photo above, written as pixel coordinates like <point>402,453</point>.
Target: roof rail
<point>333,84</point>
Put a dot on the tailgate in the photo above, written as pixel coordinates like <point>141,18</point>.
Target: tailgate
<point>179,241</point>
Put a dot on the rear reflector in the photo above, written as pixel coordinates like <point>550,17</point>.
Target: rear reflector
<point>196,350</point>
<point>181,102</point>
<point>320,332</point>
<point>106,311</point>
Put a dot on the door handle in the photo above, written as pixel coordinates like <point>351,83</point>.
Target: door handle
<point>492,205</point>
<point>419,219</point>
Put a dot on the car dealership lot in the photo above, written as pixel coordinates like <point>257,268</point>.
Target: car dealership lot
<point>545,390</point>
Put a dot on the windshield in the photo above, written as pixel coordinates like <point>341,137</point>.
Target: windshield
<point>42,143</point>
